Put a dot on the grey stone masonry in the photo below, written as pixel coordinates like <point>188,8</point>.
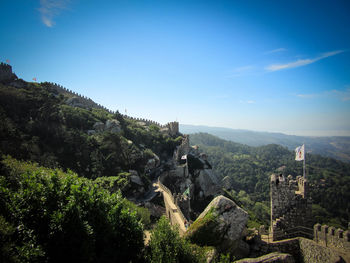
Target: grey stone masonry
<point>290,207</point>
<point>332,237</point>
<point>6,74</point>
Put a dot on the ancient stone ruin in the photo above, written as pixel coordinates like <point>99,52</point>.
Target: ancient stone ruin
<point>6,74</point>
<point>290,207</point>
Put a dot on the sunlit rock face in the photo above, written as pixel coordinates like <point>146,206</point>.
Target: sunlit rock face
<point>222,225</point>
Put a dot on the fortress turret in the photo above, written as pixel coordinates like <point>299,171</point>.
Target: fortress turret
<point>290,207</point>
<point>6,74</point>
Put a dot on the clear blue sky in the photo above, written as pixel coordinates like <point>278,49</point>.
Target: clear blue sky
<point>281,66</point>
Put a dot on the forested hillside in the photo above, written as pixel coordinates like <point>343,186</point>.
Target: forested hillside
<point>64,174</point>
<point>37,124</point>
<point>245,171</point>
<point>337,147</point>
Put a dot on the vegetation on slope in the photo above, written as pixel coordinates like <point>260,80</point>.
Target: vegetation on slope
<point>47,215</point>
<point>249,169</point>
<point>37,125</point>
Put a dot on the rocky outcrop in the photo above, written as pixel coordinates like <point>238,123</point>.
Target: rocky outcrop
<point>156,210</point>
<point>222,225</point>
<point>207,182</point>
<point>152,163</point>
<point>269,258</point>
<point>111,125</point>
<point>135,178</point>
<point>99,126</point>
<point>76,102</point>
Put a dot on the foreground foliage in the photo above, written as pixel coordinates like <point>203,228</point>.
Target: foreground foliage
<point>50,216</point>
<point>167,246</point>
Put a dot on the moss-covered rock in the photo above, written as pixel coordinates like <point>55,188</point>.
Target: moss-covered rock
<point>221,225</point>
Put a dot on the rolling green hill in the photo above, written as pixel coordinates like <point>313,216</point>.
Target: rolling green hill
<point>337,147</point>
<point>245,171</point>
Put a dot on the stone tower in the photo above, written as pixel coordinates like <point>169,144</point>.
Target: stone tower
<point>6,74</point>
<point>291,211</point>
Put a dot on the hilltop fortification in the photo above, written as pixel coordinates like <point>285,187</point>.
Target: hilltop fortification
<point>290,207</point>
<point>77,100</point>
<point>6,74</point>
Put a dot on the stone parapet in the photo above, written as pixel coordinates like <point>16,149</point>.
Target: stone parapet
<point>332,237</point>
<point>85,102</point>
<point>290,207</point>
<point>6,74</point>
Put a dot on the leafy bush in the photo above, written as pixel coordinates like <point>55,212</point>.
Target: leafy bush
<point>167,246</point>
<point>48,215</point>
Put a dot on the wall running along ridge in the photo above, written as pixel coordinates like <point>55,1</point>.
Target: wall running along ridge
<point>173,127</point>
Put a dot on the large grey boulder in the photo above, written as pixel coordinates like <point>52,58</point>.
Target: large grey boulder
<point>135,178</point>
<point>152,163</point>
<point>76,102</point>
<point>99,126</point>
<point>275,257</point>
<point>113,126</point>
<point>222,225</point>
<point>207,182</point>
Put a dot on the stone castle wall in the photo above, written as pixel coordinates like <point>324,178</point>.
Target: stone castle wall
<point>81,100</point>
<point>332,237</point>
<point>183,149</point>
<point>6,73</point>
<point>303,250</point>
<point>170,212</point>
<point>85,102</point>
<point>290,208</point>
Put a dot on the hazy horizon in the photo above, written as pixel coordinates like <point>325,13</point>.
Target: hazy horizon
<point>262,66</point>
<point>296,133</point>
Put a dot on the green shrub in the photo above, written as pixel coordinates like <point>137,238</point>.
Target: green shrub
<point>166,245</point>
<point>60,217</point>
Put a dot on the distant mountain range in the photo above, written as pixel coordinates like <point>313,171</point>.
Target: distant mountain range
<point>337,147</point>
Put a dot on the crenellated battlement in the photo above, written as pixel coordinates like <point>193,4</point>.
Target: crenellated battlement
<point>78,100</point>
<point>5,66</point>
<point>6,74</point>
<point>290,207</point>
<point>332,237</point>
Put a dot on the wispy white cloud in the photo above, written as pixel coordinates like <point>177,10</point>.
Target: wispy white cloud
<point>308,96</point>
<point>247,101</point>
<point>302,62</point>
<point>49,9</point>
<point>342,95</point>
<point>237,72</point>
<point>275,50</point>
